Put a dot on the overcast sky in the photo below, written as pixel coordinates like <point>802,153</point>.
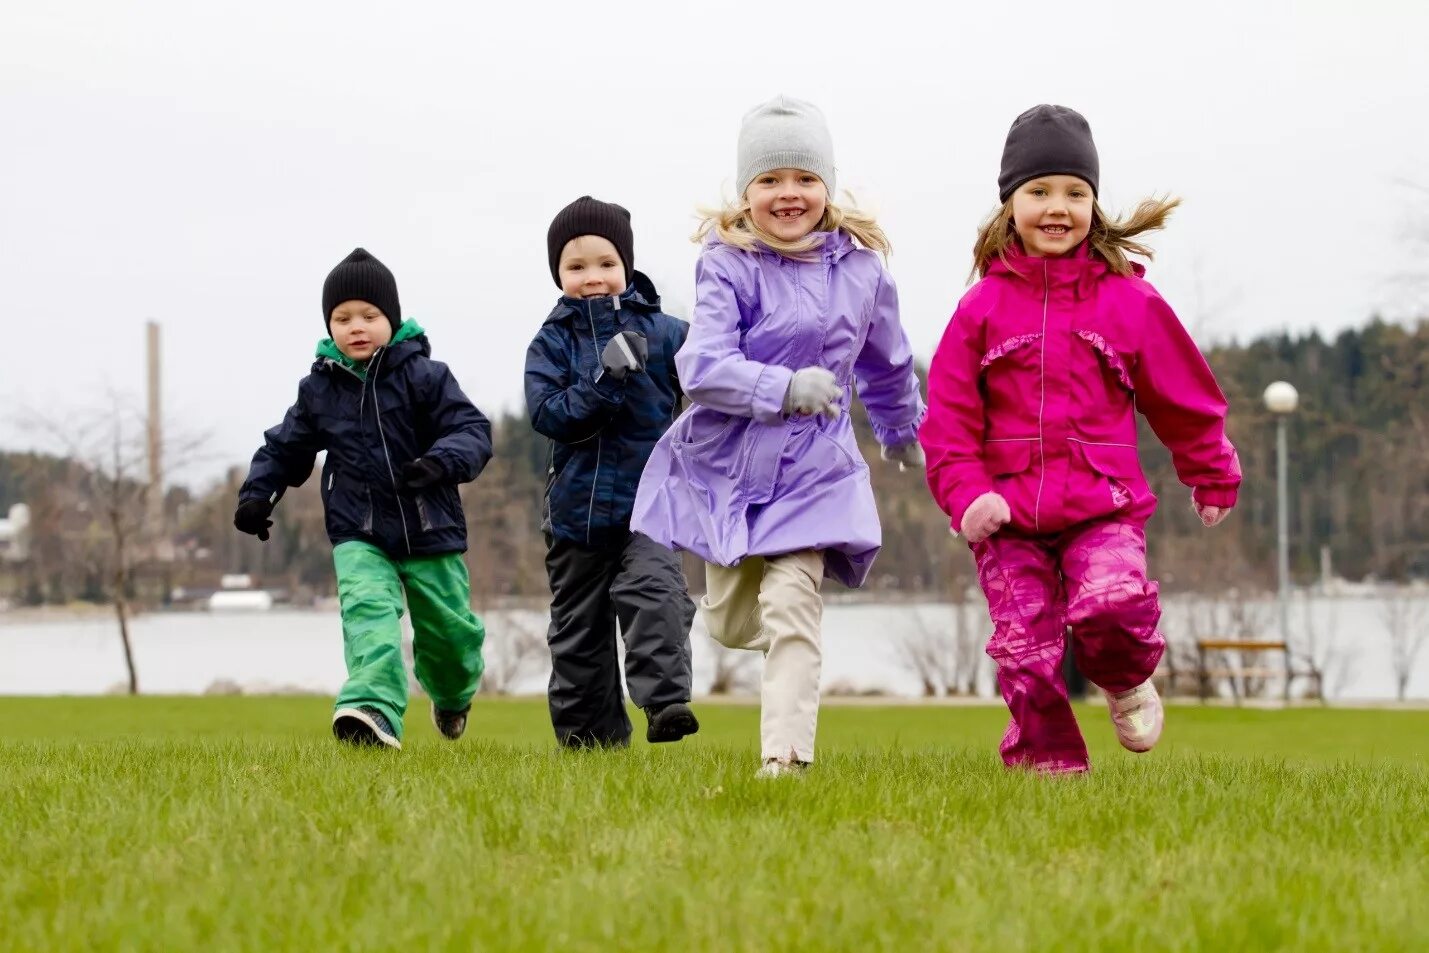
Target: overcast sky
<point>205,166</point>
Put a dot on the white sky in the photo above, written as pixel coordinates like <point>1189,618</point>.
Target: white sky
<point>205,165</point>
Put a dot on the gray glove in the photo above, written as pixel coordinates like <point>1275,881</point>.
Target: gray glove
<point>905,455</point>
<point>626,353</point>
<point>813,390</point>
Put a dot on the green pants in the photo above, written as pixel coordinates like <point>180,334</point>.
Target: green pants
<point>446,634</point>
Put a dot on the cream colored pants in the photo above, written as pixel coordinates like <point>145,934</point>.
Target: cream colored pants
<point>772,605</point>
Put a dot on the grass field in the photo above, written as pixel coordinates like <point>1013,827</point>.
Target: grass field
<point>236,823</point>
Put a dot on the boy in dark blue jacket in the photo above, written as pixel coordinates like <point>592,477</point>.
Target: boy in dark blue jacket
<point>400,436</point>
<point>601,383</point>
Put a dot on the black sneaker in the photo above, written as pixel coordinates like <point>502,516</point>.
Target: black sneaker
<point>451,724</point>
<point>670,723</point>
<point>364,726</point>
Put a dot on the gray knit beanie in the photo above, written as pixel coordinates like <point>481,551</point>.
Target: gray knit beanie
<point>785,133</point>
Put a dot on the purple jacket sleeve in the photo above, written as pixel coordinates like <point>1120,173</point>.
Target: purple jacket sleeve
<point>883,372</point>
<point>713,369</point>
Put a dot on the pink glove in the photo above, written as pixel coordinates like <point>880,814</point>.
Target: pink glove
<point>1210,515</point>
<point>986,515</point>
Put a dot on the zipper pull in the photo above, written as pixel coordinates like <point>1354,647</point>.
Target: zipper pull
<point>615,302</point>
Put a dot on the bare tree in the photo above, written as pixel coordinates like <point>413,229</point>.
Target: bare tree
<point>926,651</point>
<point>734,672</point>
<point>943,658</point>
<point>1329,664</point>
<point>512,644</point>
<point>970,627</point>
<point>110,446</point>
<point>1406,623</point>
<point>1235,614</point>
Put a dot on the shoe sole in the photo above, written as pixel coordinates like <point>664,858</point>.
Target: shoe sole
<point>676,727</point>
<point>437,725</point>
<point>354,727</point>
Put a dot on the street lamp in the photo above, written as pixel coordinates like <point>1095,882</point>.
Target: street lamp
<point>1281,399</point>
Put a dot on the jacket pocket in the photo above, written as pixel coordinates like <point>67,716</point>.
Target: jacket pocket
<point>438,509</point>
<point>347,504</point>
<point>1010,346</point>
<point>1007,457</point>
<point>1120,465</point>
<point>1111,360</point>
<point>1111,459</point>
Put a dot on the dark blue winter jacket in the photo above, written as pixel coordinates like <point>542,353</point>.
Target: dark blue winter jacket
<point>602,430</point>
<point>371,420</point>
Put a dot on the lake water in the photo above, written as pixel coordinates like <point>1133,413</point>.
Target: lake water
<point>289,650</point>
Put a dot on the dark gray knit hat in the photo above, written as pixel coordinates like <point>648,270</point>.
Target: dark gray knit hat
<point>361,277</point>
<point>1048,140</point>
<point>588,216</point>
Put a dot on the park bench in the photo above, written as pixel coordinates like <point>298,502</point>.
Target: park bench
<point>1213,662</point>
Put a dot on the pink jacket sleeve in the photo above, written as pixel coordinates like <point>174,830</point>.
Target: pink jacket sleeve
<point>953,431</point>
<point>1180,398</point>
<point>713,370</point>
<point>884,375</point>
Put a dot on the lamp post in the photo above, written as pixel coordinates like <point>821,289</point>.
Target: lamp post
<point>1281,399</point>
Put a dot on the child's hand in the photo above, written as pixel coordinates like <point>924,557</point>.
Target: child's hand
<point>421,473</point>
<point>1210,515</point>
<point>987,514</point>
<point>813,390</point>
<point>625,354</point>
<point>904,454</point>
<point>251,517</point>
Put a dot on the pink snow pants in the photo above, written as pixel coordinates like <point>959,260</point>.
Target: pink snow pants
<point>1091,578</point>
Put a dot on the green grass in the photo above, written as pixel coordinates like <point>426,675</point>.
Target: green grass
<point>218,823</point>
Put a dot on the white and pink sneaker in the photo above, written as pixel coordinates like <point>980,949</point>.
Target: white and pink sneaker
<point>1137,716</point>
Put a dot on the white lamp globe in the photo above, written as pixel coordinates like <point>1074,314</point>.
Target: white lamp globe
<point>1282,398</point>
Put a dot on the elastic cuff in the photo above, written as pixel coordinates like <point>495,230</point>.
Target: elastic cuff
<point>607,387</point>
<point>1222,496</point>
<point>897,436</point>
<point>766,404</point>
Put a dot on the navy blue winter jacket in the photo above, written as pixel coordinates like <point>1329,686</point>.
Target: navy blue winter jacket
<point>405,406</point>
<point>602,430</point>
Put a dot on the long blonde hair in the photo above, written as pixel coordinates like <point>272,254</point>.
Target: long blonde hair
<point>734,224</point>
<point>1110,238</point>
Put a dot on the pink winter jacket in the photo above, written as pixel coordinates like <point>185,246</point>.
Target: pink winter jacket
<point>1032,391</point>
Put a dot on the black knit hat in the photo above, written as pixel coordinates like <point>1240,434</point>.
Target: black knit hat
<point>360,277</point>
<point>588,216</point>
<point>1048,140</point>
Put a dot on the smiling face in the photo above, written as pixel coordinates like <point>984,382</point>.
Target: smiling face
<point>590,267</point>
<point>787,203</point>
<point>1052,214</point>
<point>359,329</point>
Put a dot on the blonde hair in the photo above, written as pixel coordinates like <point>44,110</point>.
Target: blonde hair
<point>734,224</point>
<point>1110,238</point>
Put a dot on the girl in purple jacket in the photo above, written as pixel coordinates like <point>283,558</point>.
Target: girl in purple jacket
<point>762,477</point>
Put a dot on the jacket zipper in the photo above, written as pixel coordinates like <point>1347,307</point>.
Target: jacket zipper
<point>392,475</point>
<point>1042,406</point>
<point>599,439</point>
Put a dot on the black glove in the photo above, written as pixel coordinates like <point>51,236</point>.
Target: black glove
<point>252,518</point>
<point>421,473</point>
<point>625,353</point>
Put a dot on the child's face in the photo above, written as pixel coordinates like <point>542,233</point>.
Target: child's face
<point>590,267</point>
<point>787,203</point>
<point>359,329</point>
<point>1052,214</point>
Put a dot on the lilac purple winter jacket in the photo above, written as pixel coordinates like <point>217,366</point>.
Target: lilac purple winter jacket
<point>1034,388</point>
<point>735,476</point>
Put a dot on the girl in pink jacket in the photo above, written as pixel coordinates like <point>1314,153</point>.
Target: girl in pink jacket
<point>1031,439</point>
